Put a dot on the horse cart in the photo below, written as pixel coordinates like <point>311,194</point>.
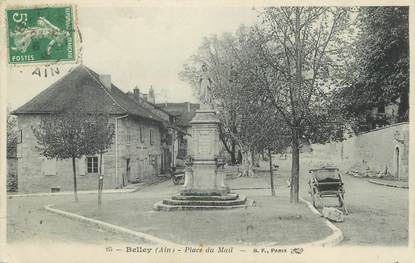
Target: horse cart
<point>326,182</point>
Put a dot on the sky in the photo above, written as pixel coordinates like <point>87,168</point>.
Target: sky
<point>137,46</point>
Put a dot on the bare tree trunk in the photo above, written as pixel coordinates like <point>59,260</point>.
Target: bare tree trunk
<point>231,149</point>
<point>247,165</point>
<point>271,173</point>
<point>253,157</point>
<point>295,169</point>
<point>295,166</point>
<point>233,153</point>
<point>100,181</point>
<point>75,190</point>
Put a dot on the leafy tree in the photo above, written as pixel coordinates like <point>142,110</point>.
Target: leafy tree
<point>276,137</point>
<point>300,55</point>
<point>11,134</point>
<point>12,141</point>
<point>71,135</point>
<point>191,73</point>
<point>237,101</point>
<point>379,70</point>
<point>288,65</point>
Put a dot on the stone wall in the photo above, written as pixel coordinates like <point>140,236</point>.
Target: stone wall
<point>380,150</point>
<point>37,174</point>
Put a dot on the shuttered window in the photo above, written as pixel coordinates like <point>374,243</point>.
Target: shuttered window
<point>92,164</point>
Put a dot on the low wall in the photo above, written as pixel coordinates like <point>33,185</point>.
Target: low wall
<point>382,150</point>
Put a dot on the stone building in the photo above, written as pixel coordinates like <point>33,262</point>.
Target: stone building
<point>183,112</point>
<point>135,155</point>
<point>172,135</point>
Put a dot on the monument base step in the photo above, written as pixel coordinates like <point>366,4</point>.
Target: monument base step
<point>205,192</point>
<point>230,196</point>
<point>206,204</point>
<point>238,201</point>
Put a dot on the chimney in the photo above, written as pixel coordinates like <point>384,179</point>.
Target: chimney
<point>105,80</point>
<point>188,106</point>
<point>151,96</point>
<point>136,91</point>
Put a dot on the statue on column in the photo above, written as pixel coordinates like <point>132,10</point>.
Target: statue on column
<point>205,87</point>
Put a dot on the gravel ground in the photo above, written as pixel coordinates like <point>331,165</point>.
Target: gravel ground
<point>379,214</point>
<point>27,221</point>
<point>272,220</point>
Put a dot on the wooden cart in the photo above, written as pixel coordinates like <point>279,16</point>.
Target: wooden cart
<point>326,182</point>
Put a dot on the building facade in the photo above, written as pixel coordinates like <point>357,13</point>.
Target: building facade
<point>183,113</point>
<point>135,155</point>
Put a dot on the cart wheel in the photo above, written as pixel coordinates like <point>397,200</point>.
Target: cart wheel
<point>314,201</point>
<point>341,198</point>
<point>176,180</point>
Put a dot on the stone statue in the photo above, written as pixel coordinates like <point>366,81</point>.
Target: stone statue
<point>205,87</point>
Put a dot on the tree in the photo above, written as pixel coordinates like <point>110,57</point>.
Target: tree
<point>275,137</point>
<point>11,134</point>
<point>69,135</point>
<point>290,61</point>
<point>228,93</point>
<point>99,138</point>
<point>12,140</point>
<point>300,48</point>
<point>191,73</point>
<point>378,73</point>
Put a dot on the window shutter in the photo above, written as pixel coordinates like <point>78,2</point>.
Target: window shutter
<point>48,167</point>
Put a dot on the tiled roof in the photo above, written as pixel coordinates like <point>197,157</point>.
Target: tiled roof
<point>181,111</point>
<point>82,88</point>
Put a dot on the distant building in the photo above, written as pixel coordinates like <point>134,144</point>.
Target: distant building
<point>184,113</point>
<point>138,151</point>
<point>384,115</point>
<point>172,135</point>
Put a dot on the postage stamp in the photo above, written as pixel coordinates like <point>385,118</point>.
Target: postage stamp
<point>41,34</point>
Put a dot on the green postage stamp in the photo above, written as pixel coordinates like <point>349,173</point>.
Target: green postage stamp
<point>41,34</point>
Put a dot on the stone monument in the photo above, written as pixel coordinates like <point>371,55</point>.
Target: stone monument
<point>205,183</point>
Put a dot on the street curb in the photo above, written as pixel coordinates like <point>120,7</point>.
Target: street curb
<point>386,184</point>
<point>334,239</point>
<point>108,191</point>
<point>110,227</point>
<point>111,191</point>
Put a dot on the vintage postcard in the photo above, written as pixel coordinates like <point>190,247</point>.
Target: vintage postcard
<point>206,131</point>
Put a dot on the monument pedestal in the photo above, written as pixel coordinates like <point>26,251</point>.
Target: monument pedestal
<point>205,182</point>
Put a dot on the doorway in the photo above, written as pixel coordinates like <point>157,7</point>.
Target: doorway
<point>127,172</point>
